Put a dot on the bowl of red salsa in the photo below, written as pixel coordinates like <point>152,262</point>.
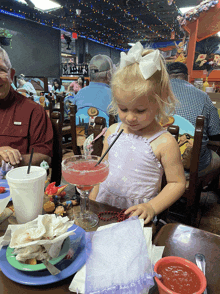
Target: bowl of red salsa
<point>179,276</point>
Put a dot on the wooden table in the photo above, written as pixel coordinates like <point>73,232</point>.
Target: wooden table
<point>185,241</point>
<point>10,287</point>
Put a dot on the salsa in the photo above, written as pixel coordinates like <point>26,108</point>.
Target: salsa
<point>179,278</point>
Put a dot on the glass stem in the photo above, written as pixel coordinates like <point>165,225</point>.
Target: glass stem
<point>84,201</point>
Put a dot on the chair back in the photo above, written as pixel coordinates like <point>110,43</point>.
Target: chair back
<point>174,130</point>
<point>86,116</point>
<point>50,105</point>
<point>57,148</point>
<point>60,99</point>
<point>112,119</point>
<point>194,166</point>
<point>82,119</point>
<point>73,111</point>
<point>96,130</point>
<point>193,189</point>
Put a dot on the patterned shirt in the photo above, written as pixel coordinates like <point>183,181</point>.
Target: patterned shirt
<point>194,102</point>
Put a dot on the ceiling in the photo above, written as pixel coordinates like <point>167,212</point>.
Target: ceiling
<point>112,22</point>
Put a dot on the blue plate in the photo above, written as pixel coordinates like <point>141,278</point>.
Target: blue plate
<point>67,267</point>
<point>4,183</point>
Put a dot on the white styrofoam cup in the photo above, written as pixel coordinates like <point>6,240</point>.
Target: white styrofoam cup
<point>27,192</point>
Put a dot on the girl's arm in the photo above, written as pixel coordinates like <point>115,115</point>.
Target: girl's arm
<point>176,182</point>
<point>93,194</point>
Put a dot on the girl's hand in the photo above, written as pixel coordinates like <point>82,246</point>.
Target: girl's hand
<point>143,210</point>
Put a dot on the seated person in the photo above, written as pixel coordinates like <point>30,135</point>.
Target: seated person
<point>75,86</point>
<point>144,151</point>
<point>25,86</point>
<point>194,102</point>
<point>57,87</point>
<point>67,101</point>
<point>24,123</point>
<point>98,93</point>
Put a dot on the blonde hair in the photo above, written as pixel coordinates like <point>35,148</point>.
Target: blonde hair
<point>5,57</point>
<point>130,79</point>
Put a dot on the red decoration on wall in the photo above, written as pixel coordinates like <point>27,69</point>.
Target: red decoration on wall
<point>74,35</point>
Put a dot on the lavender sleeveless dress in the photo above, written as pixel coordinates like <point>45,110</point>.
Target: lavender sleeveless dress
<point>135,173</point>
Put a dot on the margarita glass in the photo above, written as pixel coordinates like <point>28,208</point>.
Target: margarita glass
<point>80,170</point>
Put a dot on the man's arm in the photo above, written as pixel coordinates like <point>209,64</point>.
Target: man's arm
<point>36,159</point>
<point>13,156</point>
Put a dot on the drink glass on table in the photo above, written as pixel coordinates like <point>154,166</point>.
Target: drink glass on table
<point>80,170</point>
<point>27,192</point>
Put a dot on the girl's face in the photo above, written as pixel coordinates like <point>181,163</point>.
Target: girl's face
<point>56,84</point>
<point>139,114</point>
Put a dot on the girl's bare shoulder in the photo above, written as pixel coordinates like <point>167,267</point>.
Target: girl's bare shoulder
<point>111,129</point>
<point>166,139</point>
<point>167,144</point>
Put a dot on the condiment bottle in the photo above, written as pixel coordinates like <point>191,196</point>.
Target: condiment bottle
<point>205,84</point>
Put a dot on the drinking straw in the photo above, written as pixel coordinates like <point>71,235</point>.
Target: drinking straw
<point>110,146</point>
<point>29,165</point>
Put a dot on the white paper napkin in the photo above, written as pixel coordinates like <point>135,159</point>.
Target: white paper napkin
<point>155,252</point>
<point>53,228</point>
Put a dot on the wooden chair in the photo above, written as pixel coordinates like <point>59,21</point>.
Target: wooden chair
<point>191,197</point>
<point>49,107</point>
<point>65,128</point>
<point>99,125</point>
<point>60,99</point>
<point>56,171</point>
<point>56,120</point>
<point>211,181</point>
<point>174,130</point>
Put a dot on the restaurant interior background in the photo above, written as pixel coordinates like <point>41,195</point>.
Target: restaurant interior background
<point>60,42</point>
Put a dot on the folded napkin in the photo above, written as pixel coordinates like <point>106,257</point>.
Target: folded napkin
<point>120,259</point>
<point>27,239</point>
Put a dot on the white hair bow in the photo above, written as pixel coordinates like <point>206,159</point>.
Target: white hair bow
<point>148,64</point>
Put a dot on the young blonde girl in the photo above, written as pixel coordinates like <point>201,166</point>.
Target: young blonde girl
<point>142,97</point>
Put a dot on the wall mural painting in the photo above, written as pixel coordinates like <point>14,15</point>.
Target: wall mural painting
<point>207,54</point>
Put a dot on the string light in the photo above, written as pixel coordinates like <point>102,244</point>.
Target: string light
<point>92,28</point>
